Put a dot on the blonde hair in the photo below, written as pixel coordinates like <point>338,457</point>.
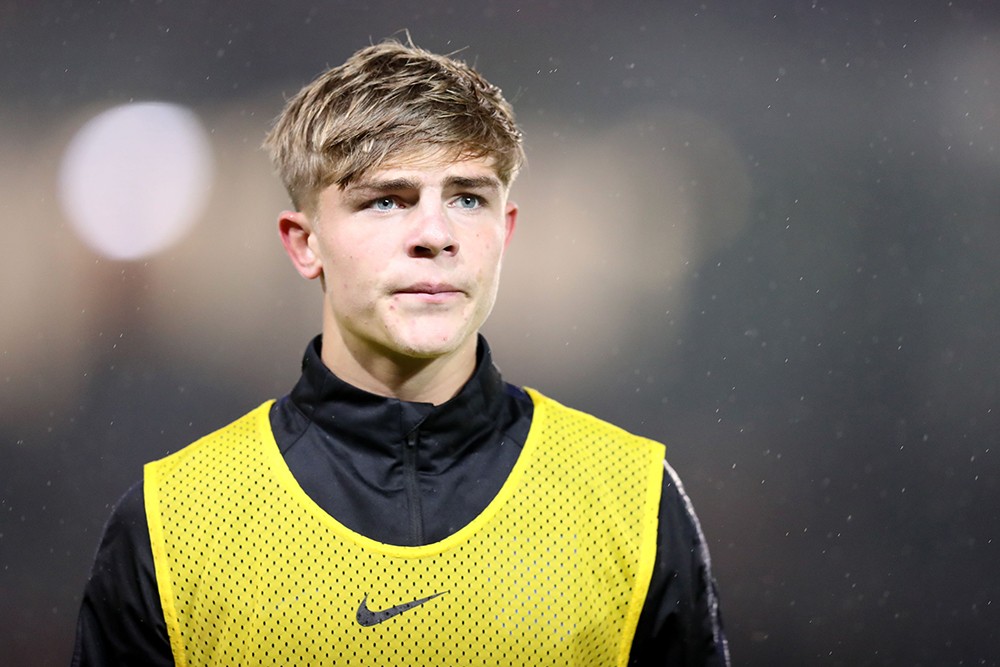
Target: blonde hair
<point>386,101</point>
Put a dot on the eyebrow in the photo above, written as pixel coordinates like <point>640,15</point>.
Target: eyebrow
<point>384,186</point>
<point>478,182</point>
<point>397,184</point>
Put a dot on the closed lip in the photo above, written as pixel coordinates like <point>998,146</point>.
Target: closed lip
<point>428,288</point>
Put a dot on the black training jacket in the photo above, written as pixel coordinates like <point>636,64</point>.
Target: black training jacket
<point>407,474</point>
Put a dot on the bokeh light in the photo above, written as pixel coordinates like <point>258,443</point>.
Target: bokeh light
<point>135,178</point>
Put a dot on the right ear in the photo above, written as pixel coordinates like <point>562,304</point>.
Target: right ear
<point>298,238</point>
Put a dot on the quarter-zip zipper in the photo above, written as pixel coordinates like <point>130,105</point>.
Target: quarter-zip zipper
<point>413,488</point>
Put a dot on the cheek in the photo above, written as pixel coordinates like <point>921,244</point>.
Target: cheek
<point>359,265</point>
<point>352,285</point>
<point>488,251</point>
<point>488,269</point>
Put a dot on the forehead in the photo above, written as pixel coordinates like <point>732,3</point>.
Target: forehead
<point>430,160</point>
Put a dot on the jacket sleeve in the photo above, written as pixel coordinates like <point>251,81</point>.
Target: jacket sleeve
<point>121,620</point>
<point>680,624</point>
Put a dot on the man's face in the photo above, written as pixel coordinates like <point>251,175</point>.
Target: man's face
<point>410,254</point>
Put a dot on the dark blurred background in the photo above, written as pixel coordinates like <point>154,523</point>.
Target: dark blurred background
<point>763,233</point>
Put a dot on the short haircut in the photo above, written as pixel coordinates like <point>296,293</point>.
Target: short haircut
<point>387,101</point>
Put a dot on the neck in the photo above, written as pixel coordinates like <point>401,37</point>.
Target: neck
<point>435,380</point>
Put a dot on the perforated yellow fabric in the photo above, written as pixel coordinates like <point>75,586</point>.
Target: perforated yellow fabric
<point>553,572</point>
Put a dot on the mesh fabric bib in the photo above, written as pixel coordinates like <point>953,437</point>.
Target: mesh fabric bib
<point>553,572</point>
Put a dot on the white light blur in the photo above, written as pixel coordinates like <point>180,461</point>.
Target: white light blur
<point>135,178</point>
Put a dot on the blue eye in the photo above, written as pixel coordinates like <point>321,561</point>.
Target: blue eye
<point>384,204</point>
<point>469,202</point>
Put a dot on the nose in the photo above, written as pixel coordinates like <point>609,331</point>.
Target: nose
<point>432,233</point>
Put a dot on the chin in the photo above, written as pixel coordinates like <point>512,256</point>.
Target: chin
<point>421,349</point>
<point>430,344</point>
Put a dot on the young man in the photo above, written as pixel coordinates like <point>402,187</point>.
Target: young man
<point>403,505</point>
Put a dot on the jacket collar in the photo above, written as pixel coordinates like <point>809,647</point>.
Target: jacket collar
<point>358,419</point>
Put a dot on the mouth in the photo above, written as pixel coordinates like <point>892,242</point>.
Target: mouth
<point>431,292</point>
<point>430,288</point>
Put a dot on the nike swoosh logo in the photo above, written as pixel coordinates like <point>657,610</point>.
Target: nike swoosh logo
<point>368,618</point>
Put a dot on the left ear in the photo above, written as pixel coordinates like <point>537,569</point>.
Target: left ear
<point>510,222</point>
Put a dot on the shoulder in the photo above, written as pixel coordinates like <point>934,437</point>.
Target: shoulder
<point>124,563</point>
<point>555,415</point>
<point>127,524</point>
<point>120,619</point>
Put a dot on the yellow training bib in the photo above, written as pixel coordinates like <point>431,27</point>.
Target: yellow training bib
<point>553,572</point>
